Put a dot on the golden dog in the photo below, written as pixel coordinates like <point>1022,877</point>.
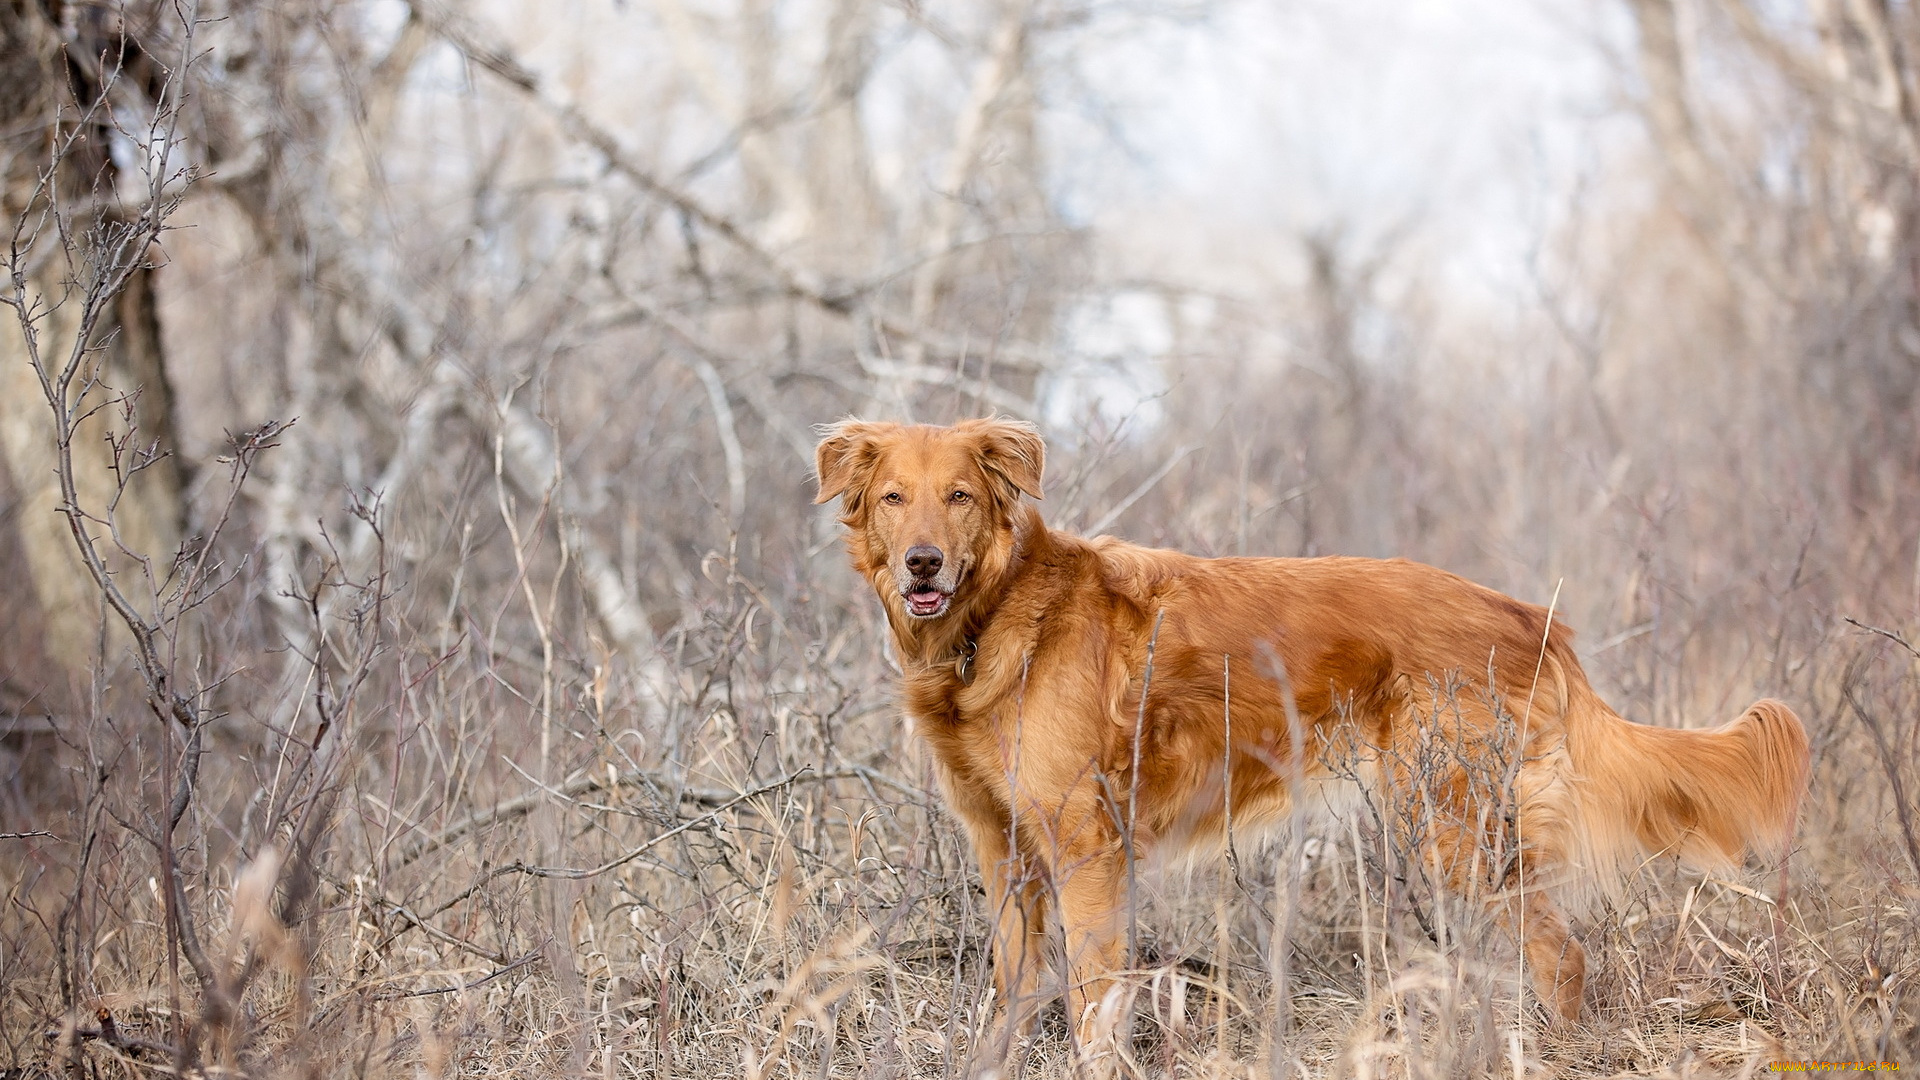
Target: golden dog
<point>1027,652</point>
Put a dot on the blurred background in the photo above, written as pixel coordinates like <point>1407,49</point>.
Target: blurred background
<point>453,440</point>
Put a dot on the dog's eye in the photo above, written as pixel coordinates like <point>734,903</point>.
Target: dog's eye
<point>958,497</point>
<point>891,497</point>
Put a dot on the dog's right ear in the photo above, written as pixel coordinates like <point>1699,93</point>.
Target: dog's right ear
<point>845,456</point>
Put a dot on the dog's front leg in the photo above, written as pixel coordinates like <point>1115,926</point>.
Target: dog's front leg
<point>1016,890</point>
<point>1093,899</point>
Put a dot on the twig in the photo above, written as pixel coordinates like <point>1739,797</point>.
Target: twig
<point>1133,795</point>
<point>729,440</point>
<point>431,930</point>
<point>1889,764</point>
<point>1145,486</point>
<point>1888,634</point>
<point>523,804</point>
<point>1280,1065</point>
<point>481,981</point>
<point>1222,939</point>
<point>109,1033</point>
<point>569,873</point>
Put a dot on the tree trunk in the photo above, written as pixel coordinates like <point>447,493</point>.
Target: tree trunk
<point>44,93</point>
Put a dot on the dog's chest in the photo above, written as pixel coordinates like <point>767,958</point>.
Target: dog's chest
<point>930,696</point>
<point>960,742</point>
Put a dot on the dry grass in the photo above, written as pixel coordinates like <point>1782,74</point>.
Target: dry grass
<point>757,881</point>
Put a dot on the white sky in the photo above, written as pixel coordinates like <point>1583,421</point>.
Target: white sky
<point>1464,120</point>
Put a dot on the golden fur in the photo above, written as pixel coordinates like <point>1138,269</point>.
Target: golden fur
<point>1025,652</point>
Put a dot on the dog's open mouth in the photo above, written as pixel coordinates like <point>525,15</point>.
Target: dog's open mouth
<point>926,601</point>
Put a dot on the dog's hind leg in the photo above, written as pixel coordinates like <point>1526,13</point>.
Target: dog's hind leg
<point>1554,957</point>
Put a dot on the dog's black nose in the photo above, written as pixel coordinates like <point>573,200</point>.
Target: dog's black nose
<point>924,560</point>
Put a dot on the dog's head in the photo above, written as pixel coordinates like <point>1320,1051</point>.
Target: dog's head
<point>928,505</point>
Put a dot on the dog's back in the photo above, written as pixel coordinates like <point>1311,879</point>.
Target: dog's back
<point>1394,649</point>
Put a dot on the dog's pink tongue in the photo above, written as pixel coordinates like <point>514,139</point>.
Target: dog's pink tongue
<point>925,597</point>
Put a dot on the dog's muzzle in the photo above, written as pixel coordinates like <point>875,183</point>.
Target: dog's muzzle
<point>928,584</point>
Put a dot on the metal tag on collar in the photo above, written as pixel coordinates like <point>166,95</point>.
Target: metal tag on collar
<point>963,666</point>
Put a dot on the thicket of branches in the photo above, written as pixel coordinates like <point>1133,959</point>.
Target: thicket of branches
<point>421,653</point>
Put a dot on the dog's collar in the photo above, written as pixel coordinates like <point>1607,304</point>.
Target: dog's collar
<point>963,659</point>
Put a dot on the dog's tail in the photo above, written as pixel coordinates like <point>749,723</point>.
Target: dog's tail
<point>1707,797</point>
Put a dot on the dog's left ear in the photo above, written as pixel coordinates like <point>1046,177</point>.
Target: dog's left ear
<point>1012,449</point>
<point>846,455</point>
